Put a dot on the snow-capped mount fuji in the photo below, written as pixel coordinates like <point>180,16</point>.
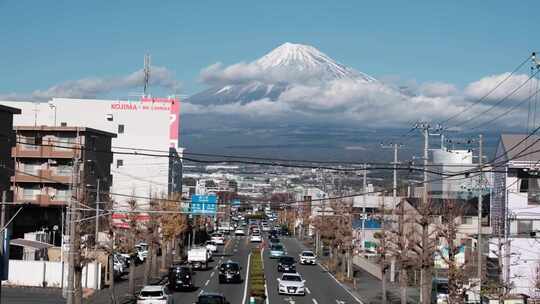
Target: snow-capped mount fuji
<point>287,65</point>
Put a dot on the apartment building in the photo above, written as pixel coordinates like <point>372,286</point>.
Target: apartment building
<point>515,212</point>
<point>8,141</point>
<point>51,163</point>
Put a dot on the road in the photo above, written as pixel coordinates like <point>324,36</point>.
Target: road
<point>236,249</point>
<point>322,288</point>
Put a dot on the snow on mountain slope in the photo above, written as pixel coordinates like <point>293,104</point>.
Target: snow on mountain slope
<point>285,66</point>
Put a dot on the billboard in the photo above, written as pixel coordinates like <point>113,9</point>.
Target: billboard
<point>166,104</point>
<point>204,204</point>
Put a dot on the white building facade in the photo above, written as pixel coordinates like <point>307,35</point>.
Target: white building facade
<point>146,130</point>
<point>515,212</point>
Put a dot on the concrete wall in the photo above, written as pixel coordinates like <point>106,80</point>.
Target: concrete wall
<point>47,274</point>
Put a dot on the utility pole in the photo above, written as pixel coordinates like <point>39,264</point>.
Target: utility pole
<point>364,215</point>
<point>396,147</point>
<point>425,273</point>
<point>96,269</point>
<point>2,240</point>
<point>480,186</point>
<point>74,292</point>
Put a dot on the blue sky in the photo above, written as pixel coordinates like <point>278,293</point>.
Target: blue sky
<point>49,42</point>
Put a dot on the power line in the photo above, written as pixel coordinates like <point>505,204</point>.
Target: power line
<point>500,101</point>
<point>488,93</point>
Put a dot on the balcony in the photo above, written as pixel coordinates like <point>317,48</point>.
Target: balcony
<point>32,151</point>
<point>43,176</point>
<point>43,200</point>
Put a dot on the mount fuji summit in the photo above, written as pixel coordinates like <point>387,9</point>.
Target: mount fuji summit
<point>271,75</point>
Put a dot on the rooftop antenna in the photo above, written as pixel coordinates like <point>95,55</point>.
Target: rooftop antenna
<point>146,74</point>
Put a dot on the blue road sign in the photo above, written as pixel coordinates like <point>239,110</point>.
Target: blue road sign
<point>204,204</point>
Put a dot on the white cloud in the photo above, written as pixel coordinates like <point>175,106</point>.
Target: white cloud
<point>437,89</point>
<point>480,88</point>
<point>92,87</point>
<point>373,105</point>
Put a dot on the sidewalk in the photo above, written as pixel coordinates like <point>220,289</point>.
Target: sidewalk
<point>368,287</point>
<point>121,289</point>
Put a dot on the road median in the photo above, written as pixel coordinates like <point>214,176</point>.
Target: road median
<point>257,282</point>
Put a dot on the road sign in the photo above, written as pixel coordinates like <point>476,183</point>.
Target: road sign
<point>203,204</point>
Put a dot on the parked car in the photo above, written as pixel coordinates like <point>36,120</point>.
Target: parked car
<point>181,277</point>
<point>142,252</point>
<point>291,284</point>
<point>308,257</point>
<point>212,246</point>
<point>218,238</point>
<point>230,272</point>
<point>211,298</point>
<point>286,264</point>
<point>155,294</point>
<point>276,251</point>
<point>239,232</point>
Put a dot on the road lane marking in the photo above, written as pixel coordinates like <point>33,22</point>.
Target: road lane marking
<point>201,292</point>
<point>246,280</point>
<point>340,302</point>
<point>315,301</point>
<point>212,274</point>
<point>308,291</point>
<point>207,282</point>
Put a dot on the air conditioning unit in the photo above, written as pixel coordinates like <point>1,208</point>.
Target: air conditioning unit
<point>52,162</point>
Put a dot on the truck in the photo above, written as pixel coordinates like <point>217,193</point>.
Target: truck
<point>198,257</point>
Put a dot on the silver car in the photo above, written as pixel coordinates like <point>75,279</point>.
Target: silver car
<point>291,284</point>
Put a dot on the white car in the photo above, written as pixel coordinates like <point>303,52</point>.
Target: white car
<point>255,238</point>
<point>239,231</point>
<point>266,228</point>
<point>291,284</point>
<point>307,257</point>
<point>211,246</point>
<point>155,294</point>
<point>218,238</point>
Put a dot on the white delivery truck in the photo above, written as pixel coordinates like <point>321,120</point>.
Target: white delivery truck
<point>198,257</point>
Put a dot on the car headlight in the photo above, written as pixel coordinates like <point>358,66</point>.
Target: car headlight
<point>281,286</point>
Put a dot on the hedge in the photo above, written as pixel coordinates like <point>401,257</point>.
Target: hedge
<point>256,275</point>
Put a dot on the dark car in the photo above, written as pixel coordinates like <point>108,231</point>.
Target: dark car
<point>181,277</point>
<point>274,241</point>
<point>230,272</point>
<point>286,264</point>
<point>211,298</point>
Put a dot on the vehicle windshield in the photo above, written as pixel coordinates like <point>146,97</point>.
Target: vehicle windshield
<point>286,260</point>
<point>210,300</point>
<point>307,254</point>
<point>293,278</point>
<point>151,294</point>
<point>217,235</point>
<point>277,248</point>
<point>229,266</point>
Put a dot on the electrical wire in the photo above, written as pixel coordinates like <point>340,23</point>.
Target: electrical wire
<point>488,93</point>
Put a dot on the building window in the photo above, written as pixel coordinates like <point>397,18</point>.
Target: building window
<point>467,220</point>
<point>524,226</point>
<point>121,129</point>
<point>62,195</point>
<point>119,163</point>
<point>65,143</point>
<point>523,185</point>
<point>533,196</point>
<point>64,170</point>
<point>29,142</point>
<point>31,168</point>
<point>30,193</point>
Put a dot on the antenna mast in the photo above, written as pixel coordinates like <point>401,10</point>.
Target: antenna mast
<point>146,74</point>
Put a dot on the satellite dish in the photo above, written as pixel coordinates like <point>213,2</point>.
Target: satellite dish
<point>55,227</point>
